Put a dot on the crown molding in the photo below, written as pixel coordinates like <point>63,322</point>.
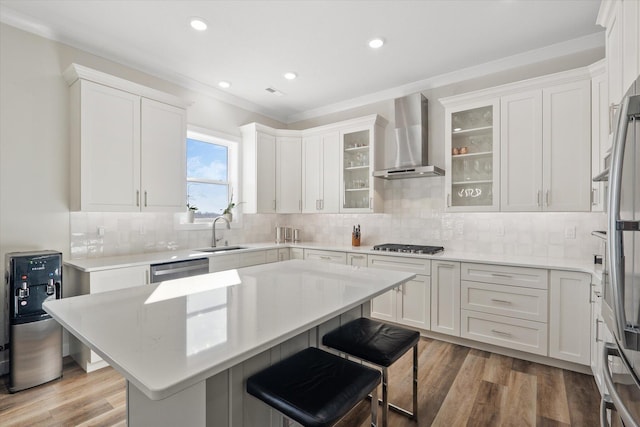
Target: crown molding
<point>557,50</point>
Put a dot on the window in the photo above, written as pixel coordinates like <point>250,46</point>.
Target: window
<point>211,172</point>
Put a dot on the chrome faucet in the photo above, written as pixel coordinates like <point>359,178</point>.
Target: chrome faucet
<point>214,241</point>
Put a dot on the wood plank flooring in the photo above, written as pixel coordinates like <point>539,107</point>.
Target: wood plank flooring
<point>458,386</point>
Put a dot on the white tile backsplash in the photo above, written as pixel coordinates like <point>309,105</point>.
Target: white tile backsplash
<point>414,214</point>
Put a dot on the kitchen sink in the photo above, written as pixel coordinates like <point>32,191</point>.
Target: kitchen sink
<point>221,249</point>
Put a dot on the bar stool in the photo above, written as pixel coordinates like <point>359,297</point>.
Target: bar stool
<point>379,344</point>
<point>315,388</point>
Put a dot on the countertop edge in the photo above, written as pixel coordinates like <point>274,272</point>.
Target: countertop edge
<point>89,265</point>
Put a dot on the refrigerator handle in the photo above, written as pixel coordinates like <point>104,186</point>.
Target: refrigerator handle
<point>615,245</point>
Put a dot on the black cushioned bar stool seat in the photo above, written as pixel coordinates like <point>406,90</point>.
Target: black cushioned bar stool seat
<point>315,388</point>
<point>380,344</point>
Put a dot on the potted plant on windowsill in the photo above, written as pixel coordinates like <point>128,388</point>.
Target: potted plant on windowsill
<point>191,210</point>
<point>227,212</point>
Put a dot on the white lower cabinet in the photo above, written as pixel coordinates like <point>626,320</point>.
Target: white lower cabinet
<point>247,259</point>
<point>284,254</point>
<point>570,316</point>
<point>223,262</point>
<point>325,256</point>
<point>505,306</point>
<point>81,283</point>
<point>505,331</point>
<point>296,253</point>
<point>357,260</point>
<point>409,303</point>
<point>445,297</point>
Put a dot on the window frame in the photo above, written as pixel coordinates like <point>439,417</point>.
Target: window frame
<point>232,143</point>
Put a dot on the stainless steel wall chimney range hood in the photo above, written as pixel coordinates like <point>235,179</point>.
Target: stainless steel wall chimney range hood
<point>411,141</point>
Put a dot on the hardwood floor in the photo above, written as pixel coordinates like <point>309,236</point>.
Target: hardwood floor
<point>458,386</point>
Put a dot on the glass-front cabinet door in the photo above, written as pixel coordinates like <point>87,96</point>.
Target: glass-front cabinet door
<point>356,169</point>
<point>361,152</point>
<point>473,157</point>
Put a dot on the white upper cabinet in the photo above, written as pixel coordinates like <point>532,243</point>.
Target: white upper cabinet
<point>599,132</point>
<point>544,131</point>
<point>163,159</point>
<point>538,128</point>
<point>321,173</point>
<point>127,151</point>
<point>521,162</point>
<point>291,171</point>
<point>361,151</point>
<point>621,20</point>
<point>288,173</point>
<point>472,148</point>
<point>258,169</point>
<point>271,171</point>
<point>566,147</point>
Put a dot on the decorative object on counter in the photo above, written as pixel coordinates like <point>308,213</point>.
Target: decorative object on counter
<point>279,234</point>
<point>355,236</point>
<point>297,235</point>
<point>288,234</point>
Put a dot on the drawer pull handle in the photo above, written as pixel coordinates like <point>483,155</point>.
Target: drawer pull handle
<point>357,256</point>
<point>501,301</point>
<point>501,275</point>
<point>325,257</point>
<point>497,332</point>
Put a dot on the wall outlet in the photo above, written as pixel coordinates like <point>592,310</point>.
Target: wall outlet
<point>100,231</point>
<point>570,232</point>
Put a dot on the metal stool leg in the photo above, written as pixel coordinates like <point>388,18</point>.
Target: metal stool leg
<point>374,407</point>
<point>384,401</point>
<point>415,382</point>
<point>385,397</point>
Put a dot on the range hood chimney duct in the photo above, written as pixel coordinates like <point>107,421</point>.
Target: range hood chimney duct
<point>411,142</point>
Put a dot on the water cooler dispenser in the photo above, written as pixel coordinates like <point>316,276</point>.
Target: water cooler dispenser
<point>35,339</point>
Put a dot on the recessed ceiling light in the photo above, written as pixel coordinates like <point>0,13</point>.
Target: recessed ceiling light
<point>198,24</point>
<point>376,43</point>
<point>224,84</point>
<point>290,75</point>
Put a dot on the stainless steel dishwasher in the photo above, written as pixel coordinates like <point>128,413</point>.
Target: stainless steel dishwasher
<point>179,269</point>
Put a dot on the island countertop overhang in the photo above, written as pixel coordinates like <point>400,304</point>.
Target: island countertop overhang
<point>166,345</point>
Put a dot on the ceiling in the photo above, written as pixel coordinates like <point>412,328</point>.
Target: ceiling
<point>253,43</point>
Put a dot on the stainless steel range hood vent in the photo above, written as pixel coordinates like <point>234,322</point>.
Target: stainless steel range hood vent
<point>411,142</point>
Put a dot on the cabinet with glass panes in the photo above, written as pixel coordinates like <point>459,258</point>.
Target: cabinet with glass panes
<point>472,153</point>
<point>361,153</point>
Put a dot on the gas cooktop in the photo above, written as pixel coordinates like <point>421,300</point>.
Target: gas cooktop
<point>412,249</point>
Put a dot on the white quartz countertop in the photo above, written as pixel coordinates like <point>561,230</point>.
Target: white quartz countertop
<point>104,263</point>
<point>171,335</point>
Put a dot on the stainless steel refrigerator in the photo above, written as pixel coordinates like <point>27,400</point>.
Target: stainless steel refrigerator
<point>621,302</point>
<point>35,339</point>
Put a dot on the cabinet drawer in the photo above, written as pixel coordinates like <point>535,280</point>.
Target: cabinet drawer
<point>504,331</point>
<point>253,258</point>
<point>505,275</point>
<point>512,301</point>
<point>327,256</point>
<point>411,265</point>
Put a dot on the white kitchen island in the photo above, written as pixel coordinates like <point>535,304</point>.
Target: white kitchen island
<point>185,347</point>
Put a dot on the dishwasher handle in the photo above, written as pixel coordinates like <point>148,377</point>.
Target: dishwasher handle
<point>160,272</point>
